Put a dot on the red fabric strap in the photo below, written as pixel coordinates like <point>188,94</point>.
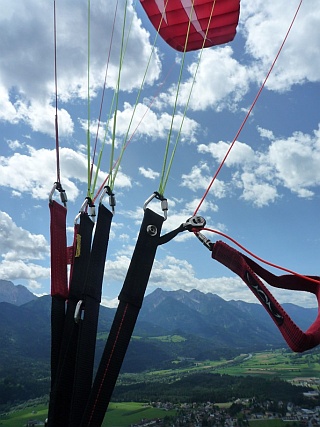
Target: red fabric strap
<point>250,272</point>
<point>59,274</point>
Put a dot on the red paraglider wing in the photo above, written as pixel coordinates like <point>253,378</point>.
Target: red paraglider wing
<point>212,21</point>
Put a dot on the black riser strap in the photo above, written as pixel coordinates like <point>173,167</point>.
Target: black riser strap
<point>88,325</point>
<point>58,310</point>
<point>110,365</point>
<point>61,394</point>
<point>131,297</point>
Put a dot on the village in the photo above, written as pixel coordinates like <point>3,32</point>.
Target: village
<point>238,414</point>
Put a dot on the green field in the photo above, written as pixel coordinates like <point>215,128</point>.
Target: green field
<point>281,364</point>
<point>20,418</point>
<point>124,414</point>
<point>118,415</point>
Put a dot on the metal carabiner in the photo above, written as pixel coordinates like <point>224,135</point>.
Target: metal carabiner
<point>112,198</point>
<point>82,209</point>
<point>85,204</point>
<point>163,200</point>
<point>63,195</point>
<point>77,311</point>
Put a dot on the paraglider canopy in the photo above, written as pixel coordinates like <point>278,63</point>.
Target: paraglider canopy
<point>194,24</point>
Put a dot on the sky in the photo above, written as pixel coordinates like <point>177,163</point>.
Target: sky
<point>267,193</point>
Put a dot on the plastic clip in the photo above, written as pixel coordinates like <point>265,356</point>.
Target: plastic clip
<point>63,195</point>
<point>163,200</point>
<point>112,198</point>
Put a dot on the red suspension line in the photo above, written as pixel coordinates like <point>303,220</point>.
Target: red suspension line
<point>56,93</point>
<point>278,267</point>
<point>249,111</point>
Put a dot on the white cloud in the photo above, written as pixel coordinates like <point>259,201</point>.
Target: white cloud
<point>17,243</point>
<point>148,173</point>
<point>220,83</point>
<point>111,303</point>
<point>296,160</point>
<point>22,270</point>
<point>256,191</point>
<point>226,75</point>
<point>35,172</point>
<point>199,178</point>
<point>14,145</point>
<point>18,246</point>
<point>265,133</point>
<point>240,153</point>
<point>27,83</point>
<point>291,163</point>
<point>117,269</point>
<point>41,119</point>
<point>7,109</point>
<point>173,274</point>
<point>265,26</point>
<point>149,123</point>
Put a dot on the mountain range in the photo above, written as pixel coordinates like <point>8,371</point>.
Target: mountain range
<point>16,295</point>
<point>172,325</point>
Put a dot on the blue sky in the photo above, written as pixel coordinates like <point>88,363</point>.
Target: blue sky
<point>267,194</point>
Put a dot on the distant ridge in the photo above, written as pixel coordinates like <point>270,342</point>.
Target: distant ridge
<point>228,323</point>
<point>172,326</point>
<point>15,294</point>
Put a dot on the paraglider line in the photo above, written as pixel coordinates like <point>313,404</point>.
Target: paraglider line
<point>189,97</point>
<point>136,129</point>
<point>249,111</point>
<point>103,90</point>
<point>278,267</point>
<point>56,92</point>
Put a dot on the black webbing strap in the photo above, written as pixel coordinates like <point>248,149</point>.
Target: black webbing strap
<point>83,373</point>
<point>58,311</point>
<point>61,393</point>
<point>131,297</point>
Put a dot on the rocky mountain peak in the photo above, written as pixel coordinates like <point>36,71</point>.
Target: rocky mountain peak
<point>14,294</point>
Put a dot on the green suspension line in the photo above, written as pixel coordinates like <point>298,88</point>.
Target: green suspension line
<point>110,179</point>
<point>165,180</point>
<point>166,154</point>
<point>137,101</point>
<point>167,165</point>
<point>116,164</point>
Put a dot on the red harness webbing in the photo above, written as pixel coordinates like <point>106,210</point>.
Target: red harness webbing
<point>59,273</point>
<point>250,272</point>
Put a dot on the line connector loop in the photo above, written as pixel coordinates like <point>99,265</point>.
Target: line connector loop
<point>195,223</point>
<point>63,195</point>
<point>112,198</point>
<point>163,200</point>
